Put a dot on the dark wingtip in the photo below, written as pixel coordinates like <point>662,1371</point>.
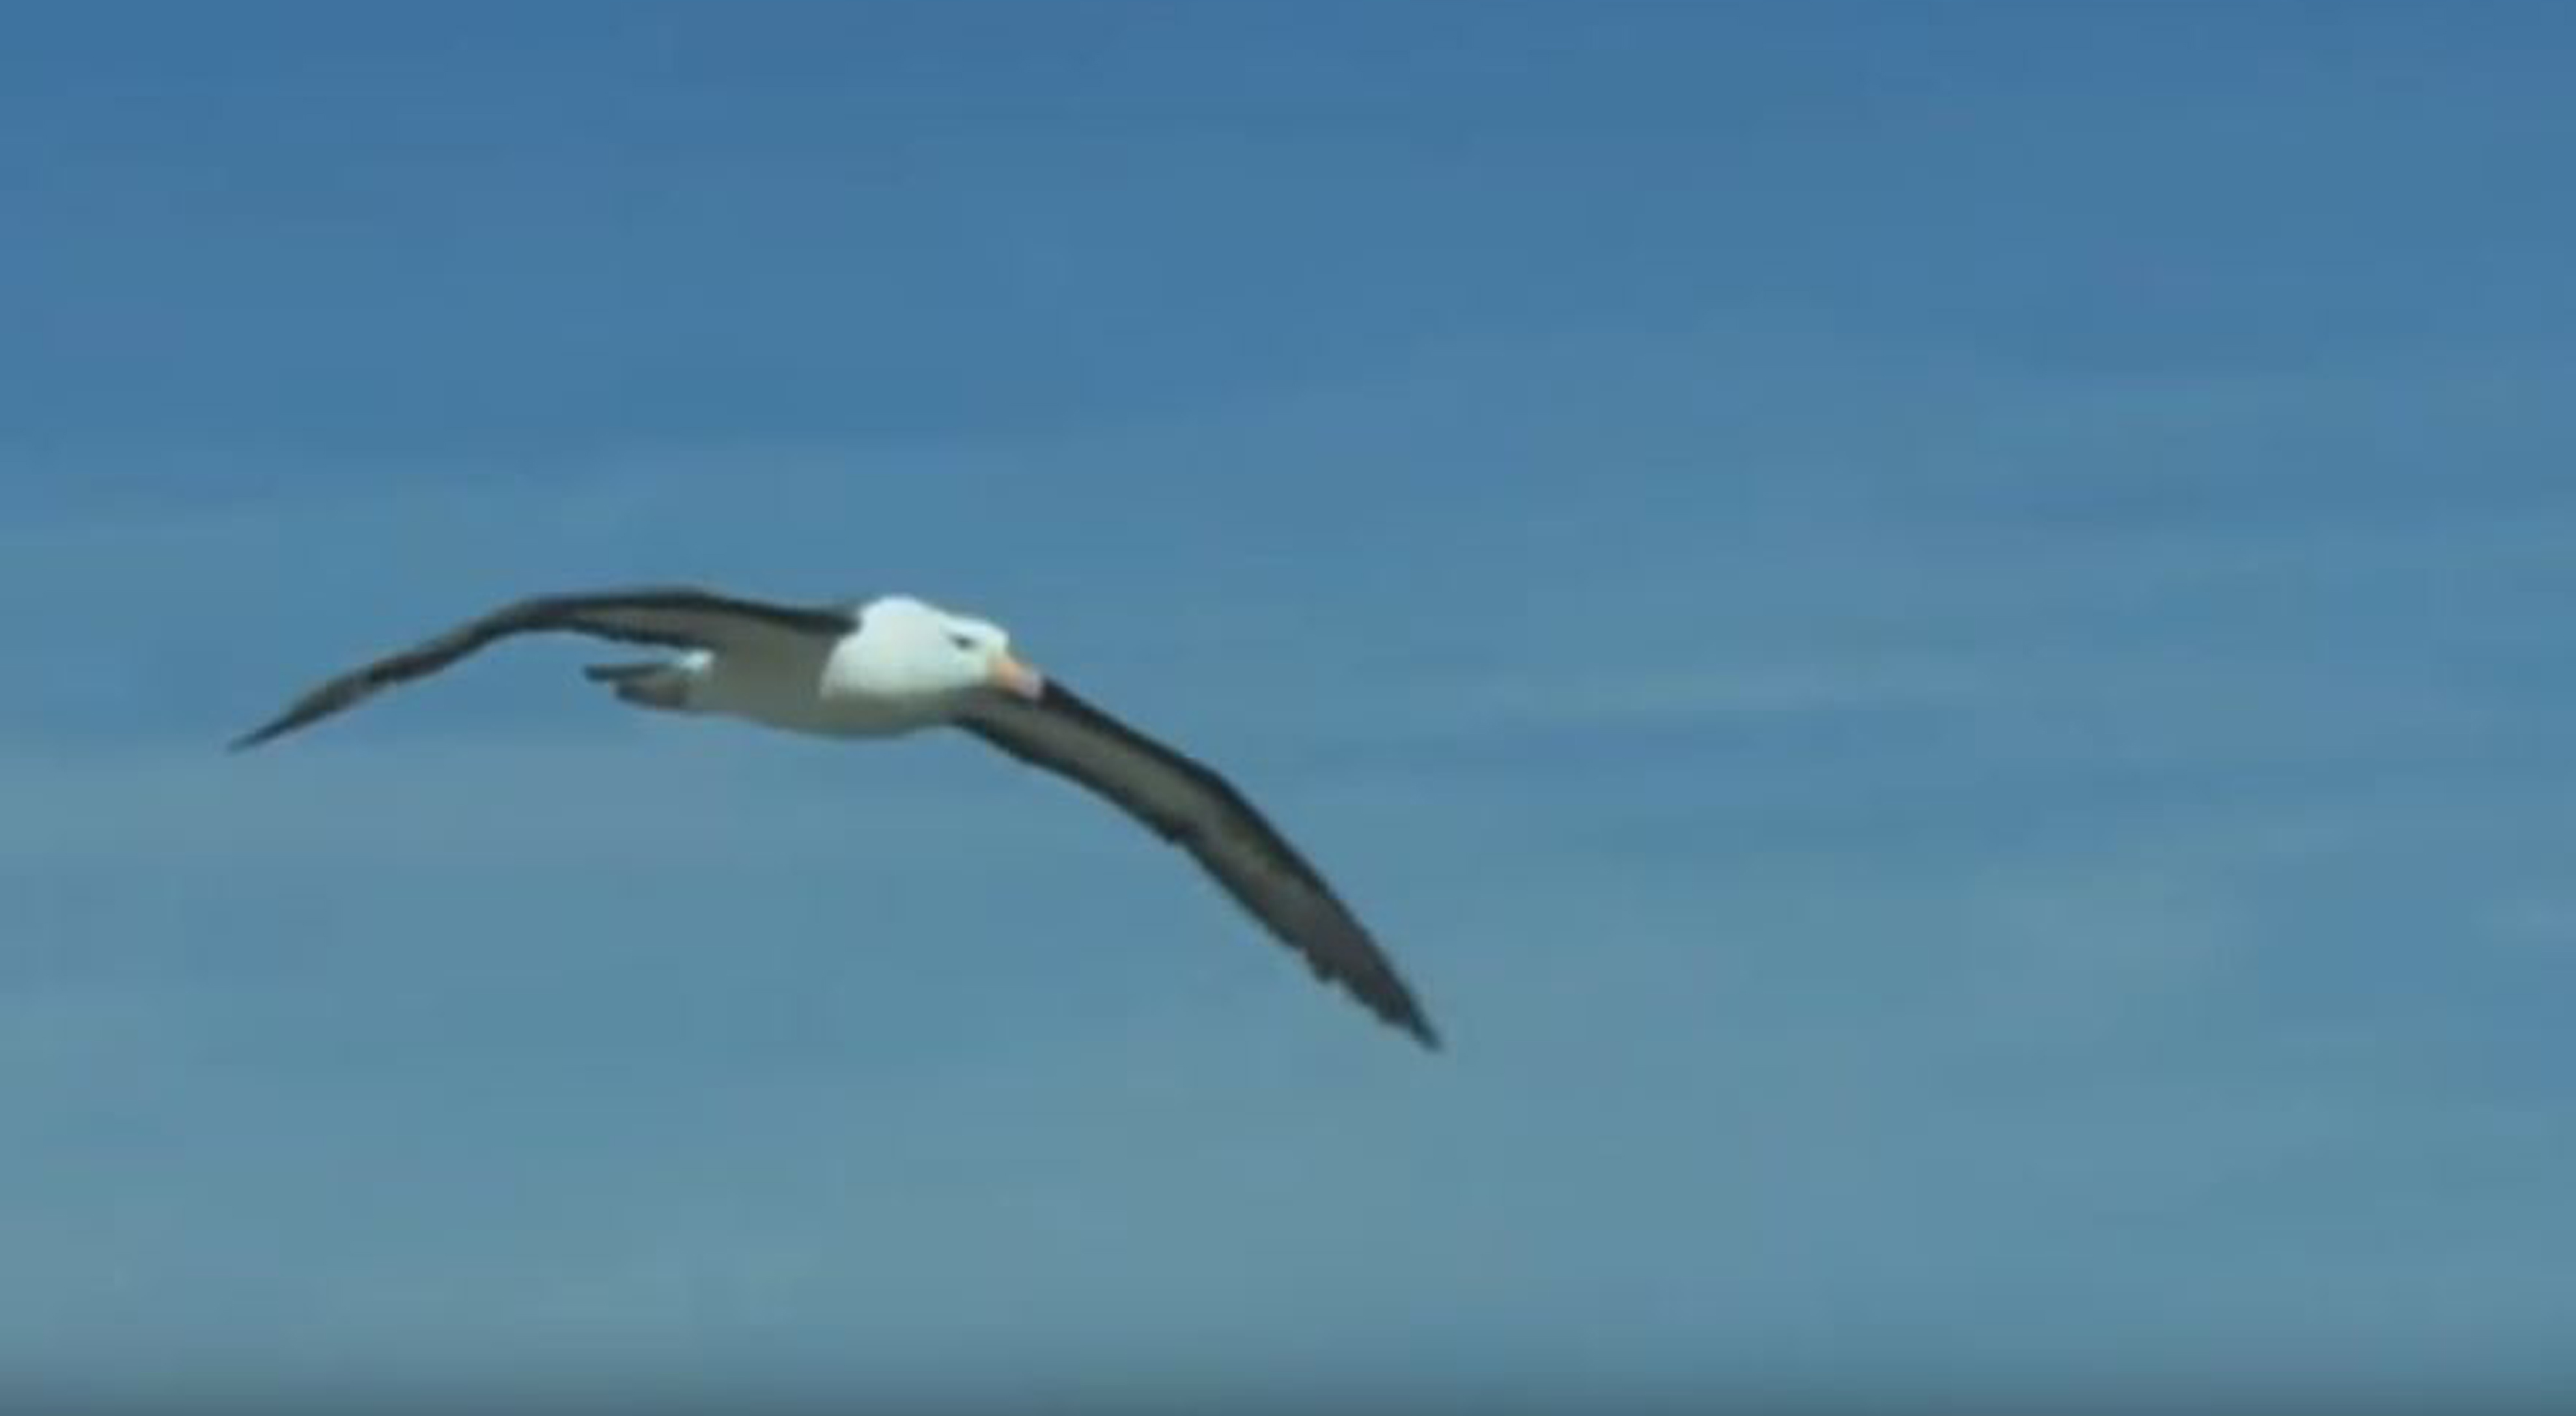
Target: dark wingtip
<point>302,713</point>
<point>1404,1014</point>
<point>275,727</point>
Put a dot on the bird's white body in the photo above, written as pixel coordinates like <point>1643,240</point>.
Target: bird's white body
<point>796,696</point>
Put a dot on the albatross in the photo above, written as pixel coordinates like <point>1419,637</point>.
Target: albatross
<point>897,664</point>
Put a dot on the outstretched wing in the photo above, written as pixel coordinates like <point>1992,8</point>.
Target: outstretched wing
<point>1191,805</point>
<point>677,617</point>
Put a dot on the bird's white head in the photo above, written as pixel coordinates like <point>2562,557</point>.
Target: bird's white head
<point>908,648</point>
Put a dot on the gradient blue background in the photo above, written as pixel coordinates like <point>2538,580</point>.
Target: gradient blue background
<point>1939,633</point>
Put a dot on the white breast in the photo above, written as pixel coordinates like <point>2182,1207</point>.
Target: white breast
<point>799,695</point>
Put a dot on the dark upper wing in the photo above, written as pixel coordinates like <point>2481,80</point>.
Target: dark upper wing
<point>678,617</point>
<point>1188,803</point>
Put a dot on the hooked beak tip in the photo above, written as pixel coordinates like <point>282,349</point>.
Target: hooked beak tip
<point>1013,676</point>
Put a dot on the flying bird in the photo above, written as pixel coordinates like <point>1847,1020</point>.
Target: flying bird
<point>894,665</point>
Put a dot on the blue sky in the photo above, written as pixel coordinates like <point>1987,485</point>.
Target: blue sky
<point>1935,632</point>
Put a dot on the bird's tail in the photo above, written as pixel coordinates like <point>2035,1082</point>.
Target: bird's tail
<point>647,685</point>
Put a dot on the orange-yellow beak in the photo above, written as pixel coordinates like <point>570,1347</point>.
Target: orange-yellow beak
<point>1012,676</point>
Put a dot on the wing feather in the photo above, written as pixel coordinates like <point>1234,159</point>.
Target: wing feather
<point>674,617</point>
<point>1193,806</point>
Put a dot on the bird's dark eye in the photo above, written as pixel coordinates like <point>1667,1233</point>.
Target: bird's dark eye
<point>962,641</point>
